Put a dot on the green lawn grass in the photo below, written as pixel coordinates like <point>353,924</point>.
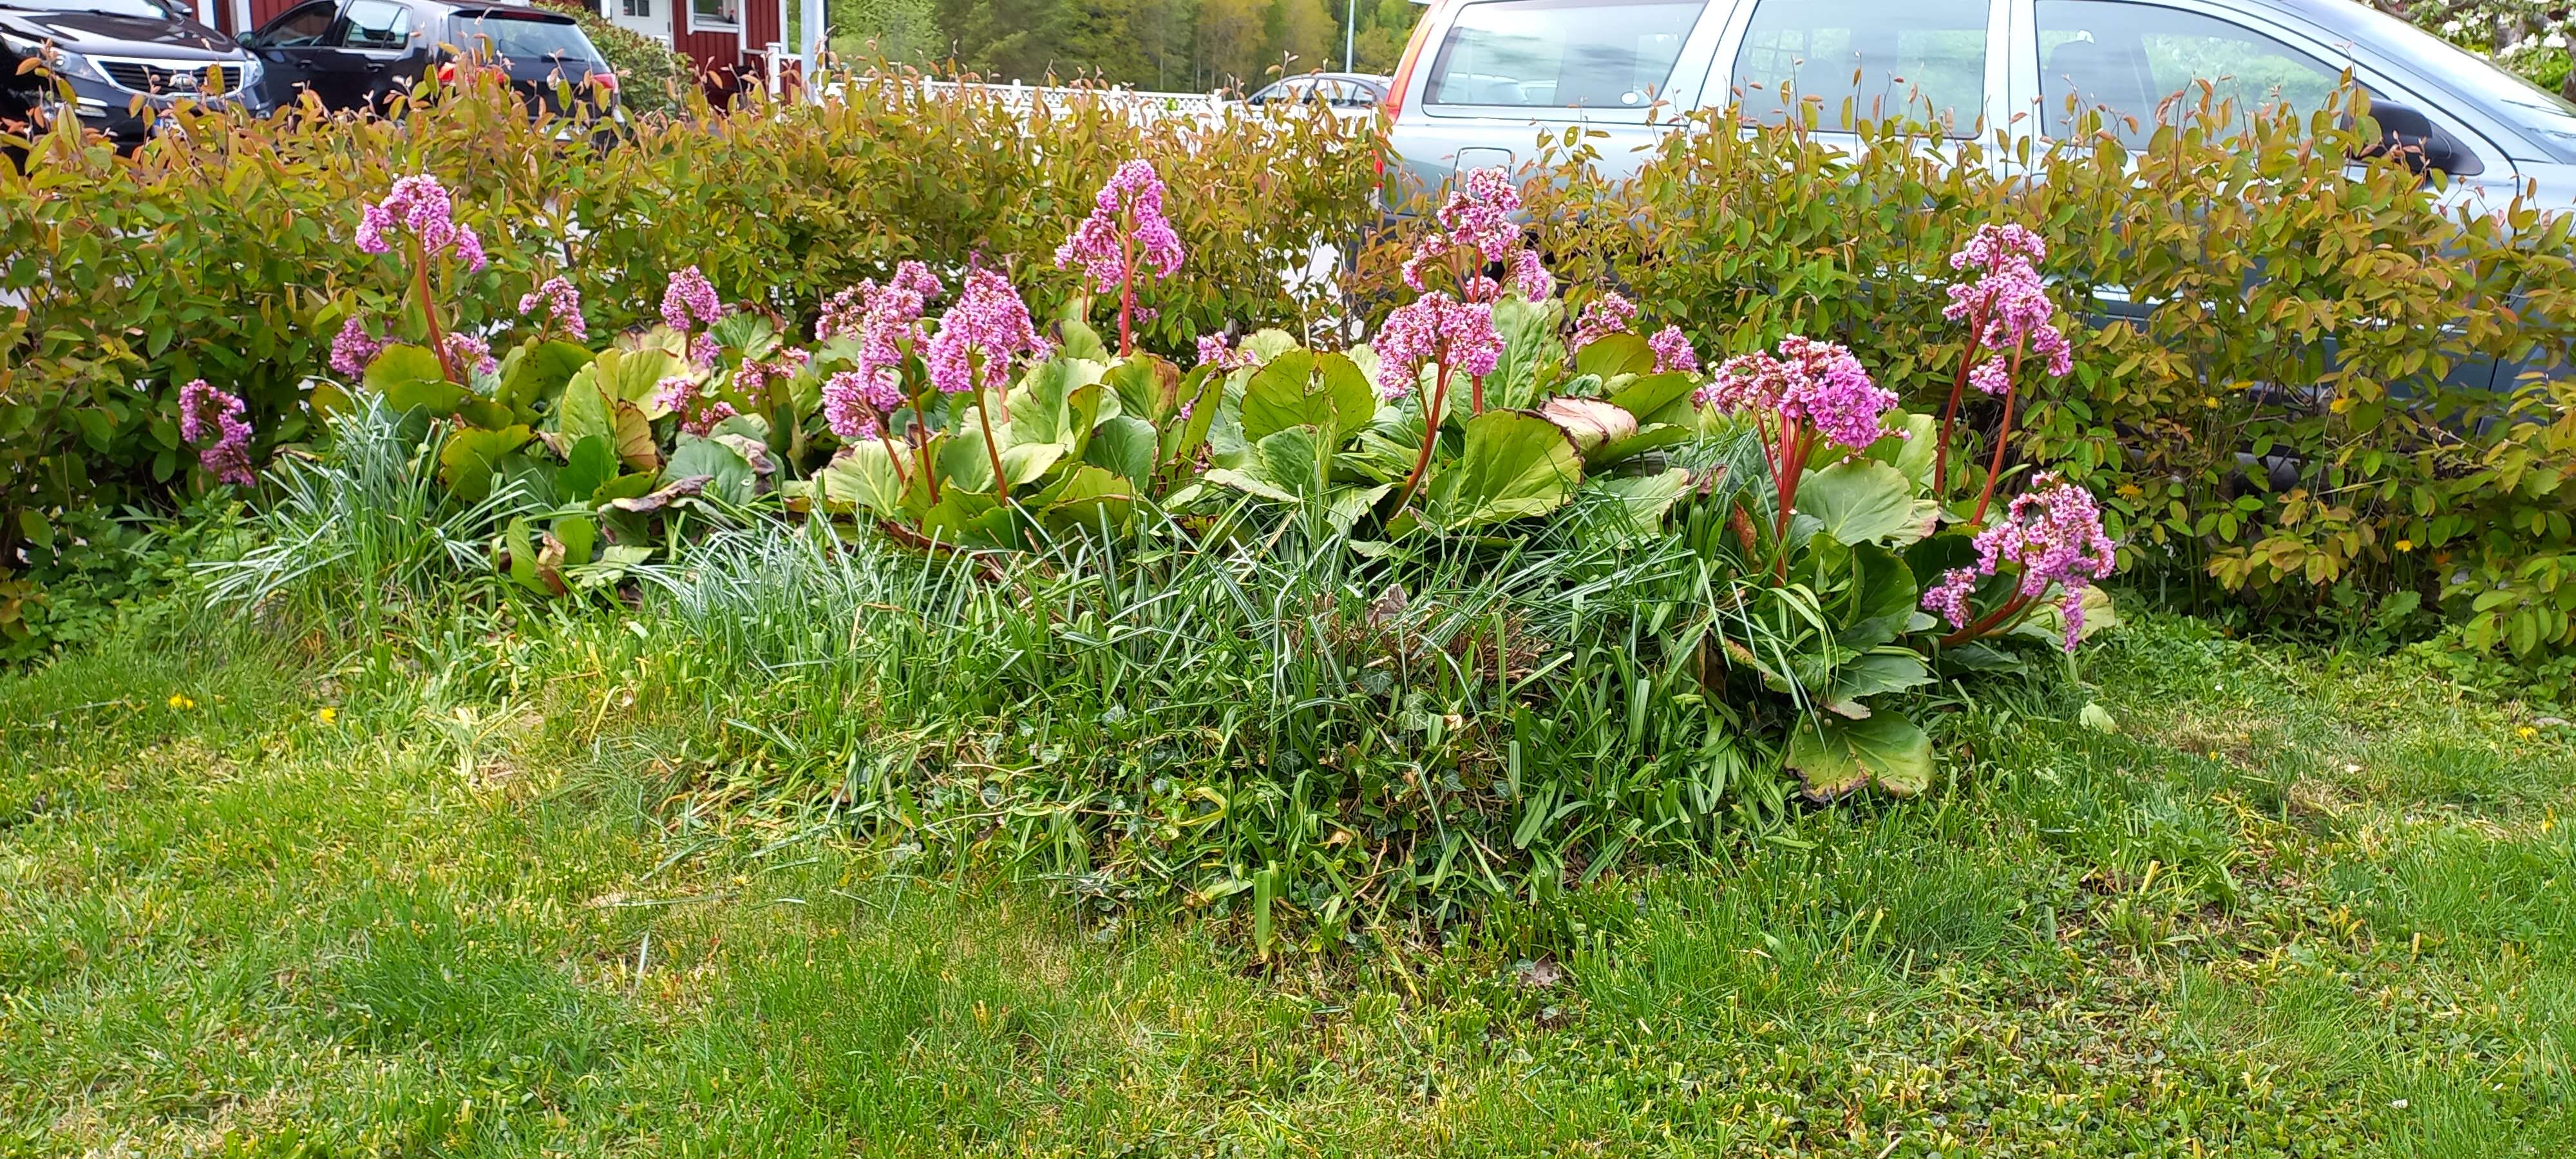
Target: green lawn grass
<point>2291,907</point>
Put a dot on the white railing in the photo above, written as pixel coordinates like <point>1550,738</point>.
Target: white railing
<point>1204,108</point>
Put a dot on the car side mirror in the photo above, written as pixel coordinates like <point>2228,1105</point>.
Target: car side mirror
<point>2417,143</point>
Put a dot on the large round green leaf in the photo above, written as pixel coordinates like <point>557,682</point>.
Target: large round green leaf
<point>1515,465</point>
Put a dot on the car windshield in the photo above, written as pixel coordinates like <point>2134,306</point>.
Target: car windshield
<point>143,9</point>
<point>2547,117</point>
<point>524,38</point>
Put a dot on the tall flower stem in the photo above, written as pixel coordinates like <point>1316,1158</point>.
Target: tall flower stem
<point>2003,436</point>
<point>1958,389</point>
<point>1438,403</point>
<point>921,445</point>
<point>1786,471</point>
<point>1988,622</point>
<point>429,312</point>
<point>1127,295</point>
<point>993,448</point>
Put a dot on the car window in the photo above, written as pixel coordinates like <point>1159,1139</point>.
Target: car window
<point>1865,59</point>
<point>524,38</point>
<point>2129,59</point>
<point>377,24</point>
<point>1561,53</point>
<point>301,28</point>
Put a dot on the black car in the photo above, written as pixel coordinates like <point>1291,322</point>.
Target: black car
<point>353,54</point>
<point>106,53</point>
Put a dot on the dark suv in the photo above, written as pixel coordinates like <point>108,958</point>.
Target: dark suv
<point>355,53</point>
<point>95,57</point>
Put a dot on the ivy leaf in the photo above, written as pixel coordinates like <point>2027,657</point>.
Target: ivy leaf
<point>1514,465</point>
<point>1835,757</point>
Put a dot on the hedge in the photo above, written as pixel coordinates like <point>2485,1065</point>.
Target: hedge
<point>223,252</point>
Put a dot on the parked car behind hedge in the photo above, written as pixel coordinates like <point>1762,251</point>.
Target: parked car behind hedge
<point>1479,74</point>
<point>359,53</point>
<point>110,64</point>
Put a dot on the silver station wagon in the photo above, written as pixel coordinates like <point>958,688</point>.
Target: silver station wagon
<point>1482,77</point>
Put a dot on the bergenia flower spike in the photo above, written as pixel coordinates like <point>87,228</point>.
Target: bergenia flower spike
<point>1607,315</point>
<point>2052,535</point>
<point>690,301</point>
<point>1814,391</point>
<point>978,337</point>
<point>562,305</point>
<point>354,348</point>
<point>1673,351</point>
<point>2008,314</point>
<point>1125,232</point>
<point>886,321</point>
<point>213,417</point>
<point>418,208</point>
<point>1446,334</point>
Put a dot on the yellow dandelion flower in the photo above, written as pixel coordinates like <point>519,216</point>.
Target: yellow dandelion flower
<point>180,701</point>
<point>2405,545</point>
<point>328,715</point>
<point>2526,732</point>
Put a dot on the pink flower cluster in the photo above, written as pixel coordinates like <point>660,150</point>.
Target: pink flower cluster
<point>690,300</point>
<point>1126,216</point>
<point>1215,351</point>
<point>562,304</point>
<point>469,351</point>
<point>886,320</point>
<point>1476,230</point>
<point>756,375</point>
<point>979,334</point>
<point>207,413</point>
<point>1673,351</point>
<point>679,395</point>
<point>1819,384</point>
<point>354,348</point>
<point>420,204</point>
<point>854,403</point>
<point>2009,299</point>
<point>2053,535</point>
<point>1435,329</point>
<point>1607,315</point>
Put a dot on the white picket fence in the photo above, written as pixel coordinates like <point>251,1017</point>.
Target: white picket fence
<point>1205,108</point>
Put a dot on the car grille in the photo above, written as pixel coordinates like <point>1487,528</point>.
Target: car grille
<point>173,78</point>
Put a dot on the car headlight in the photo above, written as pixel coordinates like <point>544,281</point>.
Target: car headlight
<point>250,73</point>
<point>61,61</point>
